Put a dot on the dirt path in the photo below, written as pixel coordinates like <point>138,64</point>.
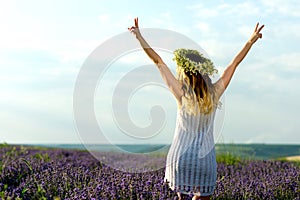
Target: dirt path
<point>293,158</point>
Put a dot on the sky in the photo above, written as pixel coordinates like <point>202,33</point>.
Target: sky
<point>44,45</point>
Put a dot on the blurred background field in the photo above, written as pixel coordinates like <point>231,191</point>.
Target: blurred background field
<point>243,151</point>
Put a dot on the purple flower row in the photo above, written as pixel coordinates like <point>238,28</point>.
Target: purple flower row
<point>30,173</point>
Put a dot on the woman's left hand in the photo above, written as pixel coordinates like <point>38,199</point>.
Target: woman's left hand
<point>256,34</point>
<point>135,29</point>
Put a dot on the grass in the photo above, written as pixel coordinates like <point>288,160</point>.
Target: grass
<point>228,158</point>
<point>3,145</point>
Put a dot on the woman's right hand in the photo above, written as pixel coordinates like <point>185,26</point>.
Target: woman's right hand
<point>256,34</point>
<point>135,29</point>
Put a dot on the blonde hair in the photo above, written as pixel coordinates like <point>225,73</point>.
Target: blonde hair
<point>199,92</point>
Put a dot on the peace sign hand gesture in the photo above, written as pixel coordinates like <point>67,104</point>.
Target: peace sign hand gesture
<point>135,29</point>
<point>256,34</point>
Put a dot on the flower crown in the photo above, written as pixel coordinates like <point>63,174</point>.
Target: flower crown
<point>198,64</point>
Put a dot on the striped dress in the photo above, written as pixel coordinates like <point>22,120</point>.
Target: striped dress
<point>191,166</point>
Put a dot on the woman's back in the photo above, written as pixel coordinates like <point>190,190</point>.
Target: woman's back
<point>191,158</point>
<point>197,127</point>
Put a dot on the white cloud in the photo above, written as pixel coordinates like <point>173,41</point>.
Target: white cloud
<point>203,27</point>
<point>284,31</point>
<point>203,12</point>
<point>37,116</point>
<point>245,31</point>
<point>104,18</point>
<point>220,50</point>
<point>234,9</point>
<point>273,76</point>
<point>163,20</point>
<point>260,118</point>
<point>75,51</point>
<point>134,57</point>
<point>167,20</point>
<point>281,7</point>
<point>278,66</point>
<point>240,9</point>
<point>286,62</point>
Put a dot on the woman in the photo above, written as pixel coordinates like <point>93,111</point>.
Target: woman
<point>191,162</point>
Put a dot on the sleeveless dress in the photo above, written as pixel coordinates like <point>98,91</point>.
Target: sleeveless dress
<point>191,166</point>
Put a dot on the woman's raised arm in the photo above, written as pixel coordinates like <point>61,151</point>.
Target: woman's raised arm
<point>165,72</point>
<point>225,78</point>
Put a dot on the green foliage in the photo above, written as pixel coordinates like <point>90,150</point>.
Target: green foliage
<point>203,66</point>
<point>41,193</point>
<point>259,151</point>
<point>27,163</point>
<point>2,192</point>
<point>43,157</point>
<point>3,145</point>
<point>244,152</point>
<point>228,159</point>
<point>283,159</point>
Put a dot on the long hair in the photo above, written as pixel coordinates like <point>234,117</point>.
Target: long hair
<point>199,92</point>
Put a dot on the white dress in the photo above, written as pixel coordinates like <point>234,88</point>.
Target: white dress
<point>191,166</point>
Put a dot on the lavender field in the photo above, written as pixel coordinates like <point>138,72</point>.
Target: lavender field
<point>35,173</point>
